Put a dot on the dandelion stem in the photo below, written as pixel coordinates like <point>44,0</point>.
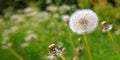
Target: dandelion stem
<point>15,53</point>
<point>41,49</point>
<point>113,42</point>
<point>87,47</point>
<point>63,57</point>
<point>55,58</point>
<point>72,44</point>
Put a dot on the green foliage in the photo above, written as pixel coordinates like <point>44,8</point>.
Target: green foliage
<point>50,28</point>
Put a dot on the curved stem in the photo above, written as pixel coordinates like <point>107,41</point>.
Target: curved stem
<point>87,47</point>
<point>15,53</point>
<point>72,44</point>
<point>41,49</point>
<point>113,43</point>
<point>63,57</point>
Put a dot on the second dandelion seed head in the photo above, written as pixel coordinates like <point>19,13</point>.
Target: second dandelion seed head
<point>106,27</point>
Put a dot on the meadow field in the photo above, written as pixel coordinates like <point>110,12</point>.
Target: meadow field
<point>34,33</point>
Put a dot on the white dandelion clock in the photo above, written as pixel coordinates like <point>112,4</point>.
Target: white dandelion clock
<point>83,21</point>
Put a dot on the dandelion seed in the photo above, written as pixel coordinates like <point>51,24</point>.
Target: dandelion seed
<point>83,21</point>
<point>106,27</point>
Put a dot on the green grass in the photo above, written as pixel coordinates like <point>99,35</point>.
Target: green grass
<point>99,43</point>
<point>54,30</point>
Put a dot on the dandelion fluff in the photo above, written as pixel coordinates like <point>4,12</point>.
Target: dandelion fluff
<point>83,21</point>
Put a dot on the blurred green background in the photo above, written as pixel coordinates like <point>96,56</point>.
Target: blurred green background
<point>46,21</point>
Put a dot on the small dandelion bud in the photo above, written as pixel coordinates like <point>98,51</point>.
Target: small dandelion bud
<point>106,27</point>
<point>56,51</point>
<point>80,41</point>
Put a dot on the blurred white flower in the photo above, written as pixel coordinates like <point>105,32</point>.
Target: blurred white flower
<point>1,20</point>
<point>26,44</point>
<point>48,1</point>
<point>56,16</point>
<point>30,37</point>
<point>64,8</point>
<point>106,27</point>
<point>65,18</point>
<point>6,45</point>
<point>117,32</point>
<point>4,41</point>
<point>52,8</point>
<point>30,11</point>
<point>17,18</point>
<point>41,16</point>
<point>6,38</point>
<point>6,33</point>
<point>83,21</point>
<point>14,28</point>
<point>29,32</point>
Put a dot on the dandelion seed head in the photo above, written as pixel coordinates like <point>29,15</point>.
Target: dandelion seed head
<point>83,21</point>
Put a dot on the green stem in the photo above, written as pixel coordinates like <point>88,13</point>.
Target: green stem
<point>15,53</point>
<point>113,43</point>
<point>63,57</point>
<point>87,47</point>
<point>72,44</point>
<point>40,48</point>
